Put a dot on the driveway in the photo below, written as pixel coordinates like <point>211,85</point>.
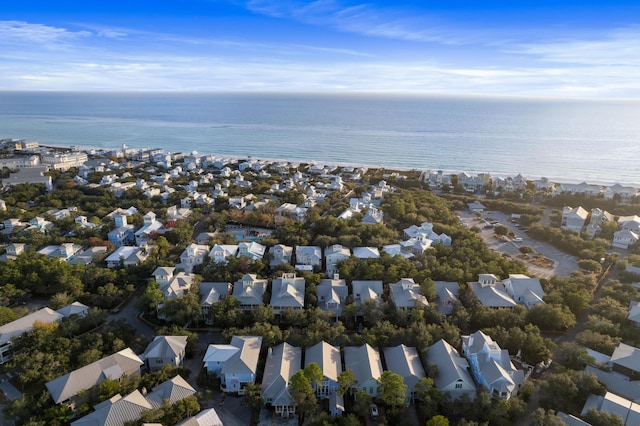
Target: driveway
<point>563,264</point>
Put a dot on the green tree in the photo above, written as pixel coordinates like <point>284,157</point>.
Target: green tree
<point>346,379</point>
<point>438,420</point>
<point>150,299</point>
<point>252,396</point>
<point>302,394</point>
<point>549,316</point>
<point>394,391</point>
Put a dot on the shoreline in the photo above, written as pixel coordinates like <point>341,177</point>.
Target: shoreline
<point>559,181</point>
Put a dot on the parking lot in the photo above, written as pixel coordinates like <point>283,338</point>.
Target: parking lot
<point>563,264</point>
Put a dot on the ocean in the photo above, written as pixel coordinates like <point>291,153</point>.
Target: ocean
<point>566,140</point>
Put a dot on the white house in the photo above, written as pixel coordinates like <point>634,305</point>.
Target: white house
<point>287,293</point>
<point>210,294</point>
<point>23,325</point>
<point>249,290</point>
<point>251,250</point>
<point>363,290</point>
<point>309,256</point>
<point>406,294</point>
<point>237,364</point>
<point>365,364</point>
<point>405,361</point>
<point>574,218</point>
<point>448,293</point>
<point>453,376</point>
<point>192,256</point>
<point>283,362</point>
<point>220,252</point>
<point>330,362</point>
<point>332,294</point>
<point>165,350</point>
<point>524,290</point>
<point>491,292</point>
<point>366,252</point>
<point>280,254</point>
<point>333,255</point>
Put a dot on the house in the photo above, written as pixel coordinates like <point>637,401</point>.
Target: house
<point>598,218</point>
<point>328,359</point>
<point>88,256</point>
<point>573,218</point>
<point>476,206</point>
<point>64,251</point>
<point>16,328</point>
<point>211,293</point>
<point>366,252</point>
<point>205,237</point>
<point>119,410</point>
<point>251,250</point>
<point>126,256</point>
<point>280,255</point>
<point>372,216</point>
<point>13,250</point>
<point>491,292</point>
<point>220,252</point>
<point>287,293</point>
<point>406,294</point>
<point>365,364</point>
<point>235,364</point>
<point>123,233</point>
<point>283,362</point>
<point>165,350</point>
<point>309,256</point>
<point>363,290</point>
<point>491,366</point>
<point>611,403</point>
<point>150,227</point>
<point>113,367</point>
<point>626,360</point>
<point>333,255</point>
<point>208,417</point>
<point>116,410</point>
<point>453,376</point>
<point>634,313</point>
<point>249,290</point>
<point>76,309</point>
<point>193,255</point>
<point>448,294</point>
<point>624,239</point>
<point>397,249</point>
<point>405,361</point>
<point>625,193</point>
<point>332,294</point>
<point>629,223</point>
<point>524,290</point>
<point>425,233</point>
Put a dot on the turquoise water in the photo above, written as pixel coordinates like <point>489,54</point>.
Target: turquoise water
<point>566,140</point>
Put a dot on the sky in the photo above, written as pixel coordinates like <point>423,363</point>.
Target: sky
<point>539,48</point>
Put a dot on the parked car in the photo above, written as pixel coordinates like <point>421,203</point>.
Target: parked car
<point>373,410</point>
<point>517,240</point>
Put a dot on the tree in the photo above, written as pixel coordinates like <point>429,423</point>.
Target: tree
<point>438,421</point>
<point>252,396</point>
<point>150,298</point>
<point>302,394</point>
<point>603,418</point>
<point>346,380</point>
<point>428,396</point>
<point>314,373</point>
<point>590,265</point>
<point>549,316</point>
<point>394,391</point>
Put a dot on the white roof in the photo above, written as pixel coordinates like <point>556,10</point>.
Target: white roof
<point>366,252</point>
<point>288,292</point>
<point>220,353</point>
<point>452,367</point>
<point>76,308</point>
<point>282,363</point>
<point>111,367</point>
<point>25,324</point>
<point>166,347</point>
<point>492,295</point>
<point>364,362</point>
<point>327,357</point>
<point>207,417</point>
<point>246,360</point>
<point>405,361</point>
<point>626,356</point>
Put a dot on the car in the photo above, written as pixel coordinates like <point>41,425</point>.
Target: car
<point>373,410</point>
<point>517,240</point>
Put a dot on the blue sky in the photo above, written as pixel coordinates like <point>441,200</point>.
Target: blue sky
<point>525,48</point>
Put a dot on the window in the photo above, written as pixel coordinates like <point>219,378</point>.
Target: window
<point>458,385</point>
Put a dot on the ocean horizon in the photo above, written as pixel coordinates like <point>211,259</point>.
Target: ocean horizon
<point>565,140</point>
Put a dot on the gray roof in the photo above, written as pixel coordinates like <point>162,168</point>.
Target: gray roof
<point>626,356</point>
<point>111,367</point>
<point>327,357</point>
<point>492,295</point>
<point>364,290</point>
<point>288,292</point>
<point>249,290</point>
<point>170,391</point>
<point>451,366</point>
<point>116,411</point>
<point>211,292</point>
<point>25,324</point>
<point>165,347</point>
<point>332,290</point>
<point>207,417</point>
<point>366,252</point>
<point>283,362</point>
<point>406,294</point>
<point>363,361</point>
<point>405,361</point>
<point>448,293</point>
<point>246,360</point>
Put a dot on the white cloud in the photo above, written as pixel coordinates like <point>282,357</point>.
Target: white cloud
<point>19,32</point>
